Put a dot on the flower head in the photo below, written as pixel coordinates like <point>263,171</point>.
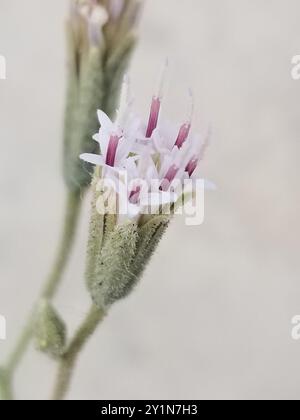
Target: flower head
<point>146,166</point>
<point>150,160</point>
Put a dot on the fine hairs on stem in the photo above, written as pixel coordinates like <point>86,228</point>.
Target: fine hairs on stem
<point>68,360</point>
<point>72,212</point>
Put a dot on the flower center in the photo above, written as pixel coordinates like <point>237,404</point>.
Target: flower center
<point>112,150</point>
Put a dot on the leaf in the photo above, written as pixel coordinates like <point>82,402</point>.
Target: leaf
<point>49,330</point>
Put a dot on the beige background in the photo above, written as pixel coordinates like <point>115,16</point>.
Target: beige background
<point>212,317</point>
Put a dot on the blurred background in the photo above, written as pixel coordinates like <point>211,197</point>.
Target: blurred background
<point>212,317</point>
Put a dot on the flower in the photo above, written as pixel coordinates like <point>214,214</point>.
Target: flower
<point>142,192</point>
<point>115,138</point>
<point>144,142</point>
<point>99,51</point>
<point>149,162</point>
<point>115,143</point>
<point>146,168</point>
<point>168,135</point>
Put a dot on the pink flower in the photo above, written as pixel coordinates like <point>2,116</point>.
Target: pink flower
<point>149,162</point>
<point>115,138</point>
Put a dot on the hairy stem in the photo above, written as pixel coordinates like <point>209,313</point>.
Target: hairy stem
<point>70,224</point>
<point>73,206</point>
<point>68,360</point>
<point>5,386</point>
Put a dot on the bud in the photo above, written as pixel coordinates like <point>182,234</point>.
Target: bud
<point>88,17</point>
<point>147,168</point>
<point>98,56</point>
<point>49,330</point>
<point>118,254</point>
<point>111,274</point>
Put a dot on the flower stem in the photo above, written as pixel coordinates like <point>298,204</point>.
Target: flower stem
<point>5,386</point>
<point>68,360</point>
<point>73,207</point>
<point>70,224</point>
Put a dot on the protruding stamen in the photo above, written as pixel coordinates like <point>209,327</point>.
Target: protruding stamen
<point>193,163</point>
<point>186,127</point>
<point>154,114</point>
<point>169,177</point>
<point>191,166</point>
<point>183,135</point>
<point>156,102</point>
<point>112,150</point>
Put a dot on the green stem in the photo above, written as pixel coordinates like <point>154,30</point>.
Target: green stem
<point>68,360</point>
<point>5,386</point>
<point>73,207</point>
<point>71,218</point>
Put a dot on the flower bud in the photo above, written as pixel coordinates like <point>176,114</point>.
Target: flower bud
<point>112,271</point>
<point>49,330</point>
<point>96,68</point>
<point>88,18</point>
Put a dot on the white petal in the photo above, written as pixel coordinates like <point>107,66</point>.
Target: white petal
<point>130,213</point>
<point>158,142</point>
<point>91,158</point>
<point>96,137</point>
<point>131,167</point>
<point>168,197</point>
<point>133,210</point>
<point>123,150</point>
<point>105,121</point>
<point>114,172</point>
<point>169,131</point>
